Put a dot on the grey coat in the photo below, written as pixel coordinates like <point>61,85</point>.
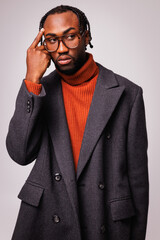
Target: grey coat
<point>107,199</point>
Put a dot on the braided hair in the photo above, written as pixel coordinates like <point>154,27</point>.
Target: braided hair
<point>84,24</point>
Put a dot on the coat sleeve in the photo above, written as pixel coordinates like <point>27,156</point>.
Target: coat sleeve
<point>138,166</point>
<point>25,128</point>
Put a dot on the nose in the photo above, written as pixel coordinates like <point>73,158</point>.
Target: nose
<point>62,48</point>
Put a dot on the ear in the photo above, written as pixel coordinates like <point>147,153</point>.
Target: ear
<point>87,38</point>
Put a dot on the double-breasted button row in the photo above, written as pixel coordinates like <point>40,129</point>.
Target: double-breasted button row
<point>28,106</point>
<point>55,218</point>
<point>57,177</point>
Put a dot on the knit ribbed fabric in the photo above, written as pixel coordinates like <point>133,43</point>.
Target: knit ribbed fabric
<point>78,91</point>
<point>33,87</point>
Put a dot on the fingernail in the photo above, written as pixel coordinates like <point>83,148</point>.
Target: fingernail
<point>42,29</point>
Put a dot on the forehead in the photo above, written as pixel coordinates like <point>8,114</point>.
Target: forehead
<point>59,22</point>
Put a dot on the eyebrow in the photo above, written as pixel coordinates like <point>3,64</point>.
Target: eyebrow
<point>66,31</point>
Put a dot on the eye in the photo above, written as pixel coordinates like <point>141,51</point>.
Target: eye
<point>51,40</point>
<point>70,37</point>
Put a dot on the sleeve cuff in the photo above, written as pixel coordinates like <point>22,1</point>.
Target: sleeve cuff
<point>35,88</point>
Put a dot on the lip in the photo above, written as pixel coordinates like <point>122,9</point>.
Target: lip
<point>64,60</point>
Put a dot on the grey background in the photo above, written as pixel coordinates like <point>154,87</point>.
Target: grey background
<point>126,39</point>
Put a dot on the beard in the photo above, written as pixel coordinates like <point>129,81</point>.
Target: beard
<point>71,68</point>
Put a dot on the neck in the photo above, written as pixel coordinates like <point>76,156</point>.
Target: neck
<point>88,70</point>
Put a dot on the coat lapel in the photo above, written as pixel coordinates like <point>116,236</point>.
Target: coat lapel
<point>106,96</point>
<point>58,129</point>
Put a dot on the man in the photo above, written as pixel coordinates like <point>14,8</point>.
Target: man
<point>85,126</point>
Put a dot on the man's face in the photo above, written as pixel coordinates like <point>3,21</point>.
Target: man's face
<point>66,60</point>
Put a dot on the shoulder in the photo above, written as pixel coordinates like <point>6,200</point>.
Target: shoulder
<point>121,80</point>
<point>111,77</point>
<point>112,81</point>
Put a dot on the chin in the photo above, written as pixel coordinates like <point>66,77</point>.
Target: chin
<point>68,72</point>
<point>66,69</point>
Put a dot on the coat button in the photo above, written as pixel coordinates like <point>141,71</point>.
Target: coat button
<point>28,106</point>
<point>102,229</point>
<point>101,186</point>
<point>57,177</point>
<point>108,136</point>
<point>56,219</point>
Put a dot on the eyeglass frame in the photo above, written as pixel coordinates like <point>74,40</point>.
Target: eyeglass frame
<point>76,33</point>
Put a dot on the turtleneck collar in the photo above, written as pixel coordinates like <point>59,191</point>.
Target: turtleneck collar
<point>85,73</point>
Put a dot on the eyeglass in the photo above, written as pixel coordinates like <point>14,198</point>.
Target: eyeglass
<point>70,40</point>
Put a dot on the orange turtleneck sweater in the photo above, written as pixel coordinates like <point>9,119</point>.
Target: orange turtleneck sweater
<point>77,91</point>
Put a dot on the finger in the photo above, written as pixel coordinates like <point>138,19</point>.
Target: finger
<point>37,39</point>
<point>42,48</point>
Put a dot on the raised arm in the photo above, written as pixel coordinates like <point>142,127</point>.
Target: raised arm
<point>24,135</point>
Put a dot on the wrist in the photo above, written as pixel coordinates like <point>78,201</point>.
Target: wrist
<point>32,78</point>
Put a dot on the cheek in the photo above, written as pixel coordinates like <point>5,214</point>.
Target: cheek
<point>78,52</point>
<point>54,56</point>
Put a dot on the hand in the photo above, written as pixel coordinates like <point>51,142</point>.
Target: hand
<point>38,59</point>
